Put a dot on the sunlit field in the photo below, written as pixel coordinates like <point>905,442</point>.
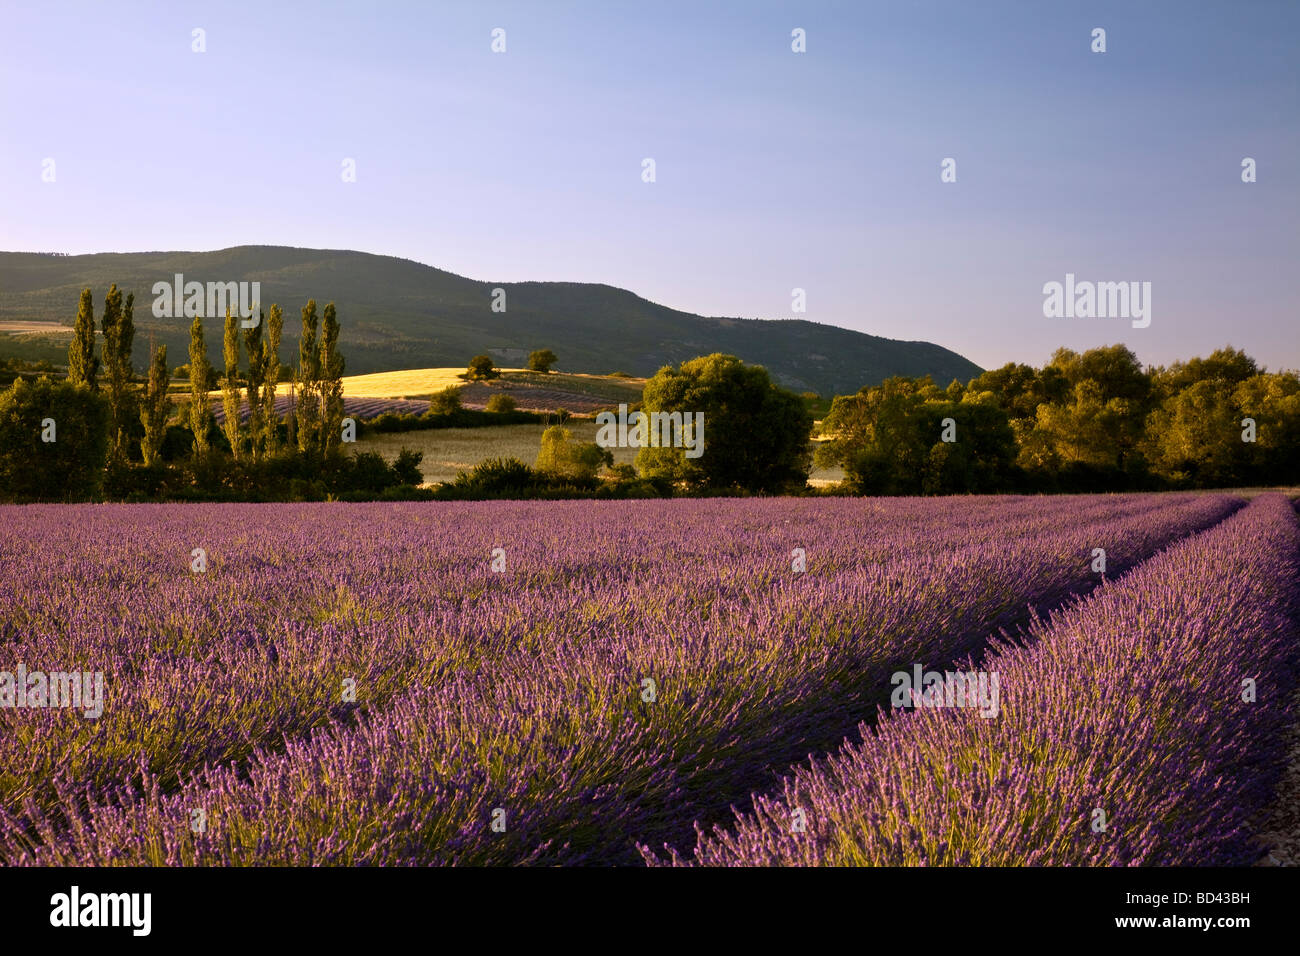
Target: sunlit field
<point>401,384</point>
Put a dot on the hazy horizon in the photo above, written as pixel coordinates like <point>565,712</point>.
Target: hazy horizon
<point>774,170</point>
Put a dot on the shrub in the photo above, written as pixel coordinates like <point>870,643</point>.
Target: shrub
<point>368,472</point>
<point>561,456</point>
<point>71,467</point>
<point>501,402</point>
<point>445,402</point>
<point>541,360</point>
<point>481,367</point>
<point>406,469</point>
<point>500,474</point>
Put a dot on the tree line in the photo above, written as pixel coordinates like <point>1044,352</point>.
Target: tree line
<point>1084,422</point>
<point>1090,421</point>
<point>100,431</point>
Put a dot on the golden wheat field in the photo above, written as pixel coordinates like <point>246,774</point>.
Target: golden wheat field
<point>400,384</point>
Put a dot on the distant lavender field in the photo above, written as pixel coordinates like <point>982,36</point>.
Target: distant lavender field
<point>356,684</point>
<point>360,408</point>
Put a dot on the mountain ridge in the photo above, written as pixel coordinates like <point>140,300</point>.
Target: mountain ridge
<point>401,313</point>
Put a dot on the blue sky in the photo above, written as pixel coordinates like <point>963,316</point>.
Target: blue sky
<point>775,170</point>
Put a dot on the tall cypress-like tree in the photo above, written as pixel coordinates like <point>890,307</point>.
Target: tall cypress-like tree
<point>233,427</point>
<point>200,371</point>
<point>119,336</point>
<point>108,323</point>
<point>331,374</point>
<point>256,372</point>
<point>308,411</point>
<point>157,406</point>
<point>83,366</point>
<point>270,378</point>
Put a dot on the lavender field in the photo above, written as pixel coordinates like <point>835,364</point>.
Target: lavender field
<point>707,681</point>
<point>359,408</point>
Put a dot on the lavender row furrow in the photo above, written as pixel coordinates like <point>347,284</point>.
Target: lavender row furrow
<point>1142,726</point>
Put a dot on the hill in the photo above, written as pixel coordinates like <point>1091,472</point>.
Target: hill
<point>400,314</point>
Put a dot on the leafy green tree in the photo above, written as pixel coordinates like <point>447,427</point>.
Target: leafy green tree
<point>1098,424</point>
<point>1114,368</point>
<point>1228,365</point>
<point>541,360</point>
<point>501,402</point>
<point>1084,430</point>
<point>890,439</point>
<point>331,383</point>
<point>201,374</point>
<point>83,366</point>
<point>1019,389</point>
<point>758,435</point>
<point>308,411</point>
<point>156,408</point>
<point>53,441</point>
<point>445,402</point>
<point>852,425</point>
<point>560,455</point>
<point>1272,400</point>
<point>230,383</point>
<point>982,458</point>
<point>1194,437</point>
<point>481,368</point>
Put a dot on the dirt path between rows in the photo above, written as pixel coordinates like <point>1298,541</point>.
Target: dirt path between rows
<point>1280,833</point>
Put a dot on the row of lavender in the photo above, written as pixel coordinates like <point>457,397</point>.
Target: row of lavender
<point>359,408</point>
<point>510,716</point>
<point>1142,726</point>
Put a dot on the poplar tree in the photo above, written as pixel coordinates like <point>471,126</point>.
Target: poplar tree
<point>270,378</point>
<point>157,406</point>
<point>119,335</point>
<point>82,363</point>
<point>200,370</point>
<point>309,412</point>
<point>331,374</point>
<point>230,386</point>
<point>256,371</point>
